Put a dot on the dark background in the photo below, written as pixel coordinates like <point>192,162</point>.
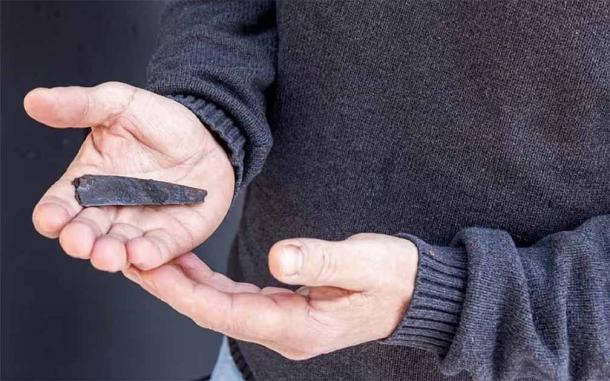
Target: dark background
<point>60,318</point>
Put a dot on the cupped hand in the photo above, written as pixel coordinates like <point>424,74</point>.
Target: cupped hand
<point>139,134</point>
<point>354,291</point>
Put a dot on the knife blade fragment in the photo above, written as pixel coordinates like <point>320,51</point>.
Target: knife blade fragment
<point>102,190</point>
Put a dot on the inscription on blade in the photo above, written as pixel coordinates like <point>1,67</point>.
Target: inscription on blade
<point>98,190</point>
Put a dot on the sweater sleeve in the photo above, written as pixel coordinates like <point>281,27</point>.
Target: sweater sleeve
<point>502,312</point>
<point>217,58</point>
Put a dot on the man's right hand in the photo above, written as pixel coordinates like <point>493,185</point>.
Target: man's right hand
<point>139,134</point>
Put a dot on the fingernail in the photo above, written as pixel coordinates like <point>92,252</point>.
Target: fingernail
<point>291,260</point>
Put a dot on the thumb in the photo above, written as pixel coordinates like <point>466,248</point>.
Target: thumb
<point>349,264</point>
<point>78,106</point>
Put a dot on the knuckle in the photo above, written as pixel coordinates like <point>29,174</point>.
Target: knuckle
<point>118,96</point>
<point>225,321</point>
<point>363,236</point>
<point>324,264</point>
<point>113,85</point>
<point>193,311</point>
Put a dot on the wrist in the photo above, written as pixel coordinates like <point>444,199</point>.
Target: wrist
<point>402,286</point>
<point>434,311</point>
<point>224,131</point>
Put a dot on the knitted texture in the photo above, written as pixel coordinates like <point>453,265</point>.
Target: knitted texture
<point>478,128</point>
<point>222,53</point>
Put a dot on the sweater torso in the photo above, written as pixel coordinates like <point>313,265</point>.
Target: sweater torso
<point>426,117</point>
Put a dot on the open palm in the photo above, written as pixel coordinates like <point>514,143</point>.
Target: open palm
<point>140,134</point>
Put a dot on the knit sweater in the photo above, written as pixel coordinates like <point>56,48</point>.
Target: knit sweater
<point>480,130</point>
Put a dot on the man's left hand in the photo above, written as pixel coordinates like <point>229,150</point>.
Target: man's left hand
<point>355,291</point>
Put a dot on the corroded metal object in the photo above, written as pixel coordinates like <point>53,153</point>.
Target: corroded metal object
<point>97,190</point>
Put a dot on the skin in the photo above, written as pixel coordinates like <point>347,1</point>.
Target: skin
<point>353,291</point>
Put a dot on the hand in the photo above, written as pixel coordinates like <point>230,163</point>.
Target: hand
<point>133,133</point>
<point>356,291</point>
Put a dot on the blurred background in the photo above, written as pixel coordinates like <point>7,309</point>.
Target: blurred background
<point>60,318</point>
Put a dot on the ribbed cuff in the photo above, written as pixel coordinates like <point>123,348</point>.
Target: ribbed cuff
<point>223,127</point>
<point>433,315</point>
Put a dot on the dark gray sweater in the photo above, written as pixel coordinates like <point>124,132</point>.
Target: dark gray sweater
<point>479,128</point>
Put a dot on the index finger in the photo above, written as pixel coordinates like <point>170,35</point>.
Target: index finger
<point>248,316</point>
